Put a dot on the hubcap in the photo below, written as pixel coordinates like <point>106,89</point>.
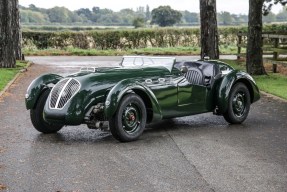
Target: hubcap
<point>238,104</point>
<point>131,118</point>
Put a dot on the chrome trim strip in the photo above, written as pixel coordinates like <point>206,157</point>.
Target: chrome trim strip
<point>60,95</point>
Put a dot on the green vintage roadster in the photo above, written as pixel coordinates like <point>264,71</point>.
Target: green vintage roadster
<point>140,90</point>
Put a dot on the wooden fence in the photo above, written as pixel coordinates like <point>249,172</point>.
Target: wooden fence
<point>273,44</point>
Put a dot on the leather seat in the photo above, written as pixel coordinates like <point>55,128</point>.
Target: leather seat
<point>194,76</point>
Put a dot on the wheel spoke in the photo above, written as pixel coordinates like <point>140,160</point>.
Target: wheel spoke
<point>239,104</point>
<point>130,118</point>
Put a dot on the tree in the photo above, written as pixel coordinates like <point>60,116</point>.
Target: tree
<point>138,22</point>
<point>282,15</point>
<point>271,17</point>
<point>86,12</point>
<point>165,16</point>
<point>147,14</point>
<point>208,28</point>
<point>59,15</point>
<point>10,48</point>
<point>190,17</point>
<point>254,55</point>
<point>28,16</point>
<point>225,18</point>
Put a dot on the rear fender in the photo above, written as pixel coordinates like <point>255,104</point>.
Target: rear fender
<point>123,87</point>
<point>37,86</point>
<point>227,83</point>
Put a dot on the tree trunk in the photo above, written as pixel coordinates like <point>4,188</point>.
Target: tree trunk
<point>209,31</point>
<point>10,39</point>
<point>17,35</point>
<point>254,55</point>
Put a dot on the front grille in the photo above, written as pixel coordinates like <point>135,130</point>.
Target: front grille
<point>63,92</point>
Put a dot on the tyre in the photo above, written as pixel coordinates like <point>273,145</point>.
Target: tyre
<point>37,119</point>
<point>238,104</point>
<point>129,121</point>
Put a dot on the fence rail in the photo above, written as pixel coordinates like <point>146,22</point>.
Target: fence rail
<point>273,44</point>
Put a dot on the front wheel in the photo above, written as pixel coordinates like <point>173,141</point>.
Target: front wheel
<point>129,121</point>
<point>37,119</point>
<point>238,104</point>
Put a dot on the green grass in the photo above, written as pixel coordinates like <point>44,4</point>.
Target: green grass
<point>239,65</point>
<point>7,74</point>
<point>273,83</point>
<point>114,52</point>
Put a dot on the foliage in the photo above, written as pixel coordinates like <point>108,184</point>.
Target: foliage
<point>188,17</point>
<point>225,18</point>
<point>165,16</point>
<point>268,4</point>
<point>123,39</point>
<point>139,22</point>
<point>98,16</point>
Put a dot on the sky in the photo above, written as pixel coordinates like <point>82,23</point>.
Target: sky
<point>232,6</point>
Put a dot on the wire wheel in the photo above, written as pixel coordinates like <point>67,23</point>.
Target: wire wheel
<point>129,121</point>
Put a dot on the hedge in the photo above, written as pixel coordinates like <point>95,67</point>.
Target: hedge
<point>129,38</point>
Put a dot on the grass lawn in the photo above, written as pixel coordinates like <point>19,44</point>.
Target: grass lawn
<point>7,74</point>
<point>273,83</point>
<point>113,52</point>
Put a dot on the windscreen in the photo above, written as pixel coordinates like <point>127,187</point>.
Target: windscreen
<point>138,61</point>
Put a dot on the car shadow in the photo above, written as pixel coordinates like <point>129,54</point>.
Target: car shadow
<point>193,124</point>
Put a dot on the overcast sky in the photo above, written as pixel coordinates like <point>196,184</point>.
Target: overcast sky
<point>233,6</point>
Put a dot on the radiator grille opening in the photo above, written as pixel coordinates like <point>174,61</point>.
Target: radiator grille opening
<point>63,92</point>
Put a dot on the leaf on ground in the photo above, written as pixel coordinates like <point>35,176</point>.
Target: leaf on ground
<point>2,150</point>
<point>2,187</point>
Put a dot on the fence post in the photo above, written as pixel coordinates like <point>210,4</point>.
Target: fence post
<point>274,67</point>
<point>276,45</point>
<point>239,44</point>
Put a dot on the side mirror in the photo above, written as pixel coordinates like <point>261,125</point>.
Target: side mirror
<point>183,69</point>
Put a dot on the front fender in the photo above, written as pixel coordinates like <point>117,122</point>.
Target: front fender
<point>119,90</point>
<point>37,86</point>
<point>226,84</point>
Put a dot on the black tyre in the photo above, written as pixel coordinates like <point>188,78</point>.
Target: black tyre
<point>129,121</point>
<point>238,104</point>
<point>37,119</point>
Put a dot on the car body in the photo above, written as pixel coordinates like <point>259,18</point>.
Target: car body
<point>140,90</point>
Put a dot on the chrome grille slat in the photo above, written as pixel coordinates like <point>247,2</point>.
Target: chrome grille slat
<point>63,92</point>
<point>56,91</point>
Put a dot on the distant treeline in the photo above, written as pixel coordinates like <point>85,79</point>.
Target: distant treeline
<point>33,15</point>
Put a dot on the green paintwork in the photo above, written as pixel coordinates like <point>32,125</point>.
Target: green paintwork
<point>166,93</point>
<point>228,81</point>
<point>37,86</point>
<point>124,86</point>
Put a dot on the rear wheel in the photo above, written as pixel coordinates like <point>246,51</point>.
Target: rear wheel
<point>238,104</point>
<point>37,119</point>
<point>129,121</point>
